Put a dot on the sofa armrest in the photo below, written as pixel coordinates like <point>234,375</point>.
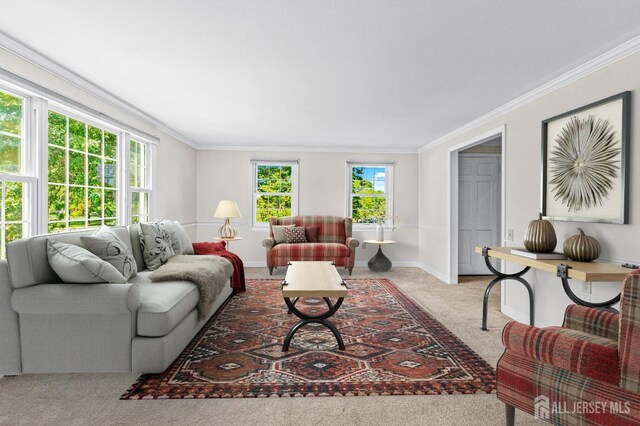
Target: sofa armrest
<point>9,327</point>
<point>268,243</point>
<point>593,321</point>
<point>63,299</point>
<point>630,332</point>
<point>352,243</point>
<point>563,351</point>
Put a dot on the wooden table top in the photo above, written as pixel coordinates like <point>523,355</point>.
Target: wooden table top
<point>313,279</point>
<point>584,271</point>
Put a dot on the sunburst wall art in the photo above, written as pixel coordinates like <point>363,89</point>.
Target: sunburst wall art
<point>585,154</point>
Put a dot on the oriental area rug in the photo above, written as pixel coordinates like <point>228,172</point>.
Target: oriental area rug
<point>393,347</point>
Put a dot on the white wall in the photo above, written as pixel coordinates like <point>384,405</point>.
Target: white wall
<point>322,188</point>
<point>523,165</point>
<point>176,161</point>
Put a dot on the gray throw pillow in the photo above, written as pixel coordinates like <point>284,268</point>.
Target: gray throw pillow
<point>73,264</point>
<point>180,241</point>
<point>155,243</point>
<point>278,233</point>
<point>105,244</point>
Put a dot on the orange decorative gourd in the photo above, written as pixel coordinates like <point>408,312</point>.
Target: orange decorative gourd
<point>581,247</point>
<point>540,236</point>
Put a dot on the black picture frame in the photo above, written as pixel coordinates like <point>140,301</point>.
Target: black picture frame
<point>550,203</point>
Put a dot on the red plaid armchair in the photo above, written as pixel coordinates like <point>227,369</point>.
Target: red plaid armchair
<point>334,242</point>
<point>586,372</point>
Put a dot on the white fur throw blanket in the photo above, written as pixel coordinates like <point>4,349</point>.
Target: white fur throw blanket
<point>208,273</point>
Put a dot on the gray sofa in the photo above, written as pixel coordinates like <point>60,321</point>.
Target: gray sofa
<point>50,327</point>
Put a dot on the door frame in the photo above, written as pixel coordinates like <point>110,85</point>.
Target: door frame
<point>453,200</point>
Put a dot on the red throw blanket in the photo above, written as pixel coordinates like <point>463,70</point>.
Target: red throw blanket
<point>219,249</point>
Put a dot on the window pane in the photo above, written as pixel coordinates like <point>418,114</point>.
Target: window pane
<point>95,203</point>
<point>285,179</point>
<point>139,206</point>
<point>366,180</point>
<point>57,129</point>
<point>95,223</point>
<point>10,154</point>
<point>13,232</point>
<point>57,165</point>
<point>76,202</point>
<point>76,168</point>
<point>77,224</point>
<point>13,201</point>
<point>368,209</point>
<point>10,114</point>
<point>110,173</point>
<point>95,140</point>
<point>110,222</point>
<point>77,134</point>
<point>57,202</point>
<point>56,227</point>
<point>95,171</point>
<point>110,145</point>
<point>110,202</point>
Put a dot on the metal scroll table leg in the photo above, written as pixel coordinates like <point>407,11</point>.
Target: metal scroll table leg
<point>563,275</point>
<point>318,319</point>
<point>500,276</point>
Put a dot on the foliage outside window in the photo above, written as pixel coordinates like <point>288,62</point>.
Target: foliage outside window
<point>275,190</point>
<point>82,175</point>
<point>13,221</point>
<point>370,198</point>
<point>139,181</point>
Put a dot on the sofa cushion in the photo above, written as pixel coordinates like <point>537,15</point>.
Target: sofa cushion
<point>163,305</point>
<point>311,233</point>
<point>109,247</point>
<point>74,264</point>
<point>156,245</point>
<point>310,251</point>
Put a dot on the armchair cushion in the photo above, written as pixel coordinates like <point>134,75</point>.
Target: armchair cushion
<point>593,321</point>
<point>582,353</point>
<point>311,251</point>
<point>630,333</point>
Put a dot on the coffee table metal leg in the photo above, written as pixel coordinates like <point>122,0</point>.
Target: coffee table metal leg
<point>318,319</point>
<point>295,300</point>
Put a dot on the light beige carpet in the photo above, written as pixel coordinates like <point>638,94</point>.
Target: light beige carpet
<point>92,399</point>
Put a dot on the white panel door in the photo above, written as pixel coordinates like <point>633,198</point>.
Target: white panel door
<point>478,210</point>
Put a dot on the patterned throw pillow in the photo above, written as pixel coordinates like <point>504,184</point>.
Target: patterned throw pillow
<point>105,244</point>
<point>180,242</point>
<point>155,243</point>
<point>295,235</point>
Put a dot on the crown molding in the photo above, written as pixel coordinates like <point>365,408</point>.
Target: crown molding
<point>617,53</point>
<point>305,149</point>
<point>13,46</point>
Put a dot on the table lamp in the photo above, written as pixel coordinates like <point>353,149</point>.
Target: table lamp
<point>227,209</point>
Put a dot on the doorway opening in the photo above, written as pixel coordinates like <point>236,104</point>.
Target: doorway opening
<point>476,205</point>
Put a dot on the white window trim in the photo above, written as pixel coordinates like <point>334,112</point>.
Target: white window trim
<point>295,168</point>
<point>389,185</point>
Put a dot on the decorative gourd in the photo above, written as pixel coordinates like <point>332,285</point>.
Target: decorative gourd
<point>581,247</point>
<point>540,236</point>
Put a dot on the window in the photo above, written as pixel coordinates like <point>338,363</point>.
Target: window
<point>15,184</point>
<point>275,190</point>
<point>370,192</point>
<point>139,180</point>
<point>82,175</point>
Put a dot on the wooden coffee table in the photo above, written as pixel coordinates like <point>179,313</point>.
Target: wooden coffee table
<point>313,279</point>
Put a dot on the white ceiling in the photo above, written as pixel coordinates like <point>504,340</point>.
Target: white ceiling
<point>392,74</point>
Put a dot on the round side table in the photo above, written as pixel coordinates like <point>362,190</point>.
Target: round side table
<point>379,262</point>
<point>227,240</point>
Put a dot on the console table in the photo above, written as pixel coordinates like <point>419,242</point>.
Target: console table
<point>564,269</point>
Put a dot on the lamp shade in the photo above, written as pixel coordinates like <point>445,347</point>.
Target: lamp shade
<point>227,208</point>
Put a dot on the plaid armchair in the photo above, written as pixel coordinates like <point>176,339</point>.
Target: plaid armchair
<point>334,242</point>
<point>585,372</point>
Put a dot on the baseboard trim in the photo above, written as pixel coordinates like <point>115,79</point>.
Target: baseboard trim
<point>431,271</point>
<point>522,317</point>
